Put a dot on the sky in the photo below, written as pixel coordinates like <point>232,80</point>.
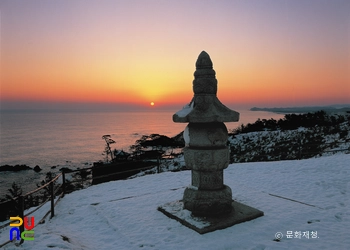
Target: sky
<point>265,53</point>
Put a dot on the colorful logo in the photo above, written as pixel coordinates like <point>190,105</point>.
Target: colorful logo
<point>26,234</point>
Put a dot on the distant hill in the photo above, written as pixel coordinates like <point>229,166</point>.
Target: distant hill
<point>301,110</point>
<point>296,136</point>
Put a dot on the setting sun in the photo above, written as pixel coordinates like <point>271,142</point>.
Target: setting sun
<point>125,54</point>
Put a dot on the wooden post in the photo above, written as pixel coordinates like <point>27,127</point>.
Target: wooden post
<point>63,183</point>
<point>158,165</point>
<point>52,200</point>
<point>21,214</point>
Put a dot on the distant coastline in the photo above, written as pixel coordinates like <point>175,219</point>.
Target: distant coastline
<point>301,110</point>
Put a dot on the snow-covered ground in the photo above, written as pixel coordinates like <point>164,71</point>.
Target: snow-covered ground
<point>299,143</point>
<point>301,197</point>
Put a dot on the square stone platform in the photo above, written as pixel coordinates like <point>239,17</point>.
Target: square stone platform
<point>202,225</point>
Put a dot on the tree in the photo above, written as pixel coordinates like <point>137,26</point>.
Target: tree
<point>108,151</point>
<point>15,191</point>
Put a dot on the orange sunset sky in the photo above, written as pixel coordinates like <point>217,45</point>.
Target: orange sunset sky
<point>265,53</point>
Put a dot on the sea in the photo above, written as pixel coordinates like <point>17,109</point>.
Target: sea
<point>56,139</point>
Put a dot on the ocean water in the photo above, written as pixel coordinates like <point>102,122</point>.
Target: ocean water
<point>74,139</point>
<point>47,139</point>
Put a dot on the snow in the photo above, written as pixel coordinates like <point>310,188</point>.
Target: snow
<point>185,110</point>
<point>186,135</point>
<point>176,208</point>
<point>302,195</point>
<point>301,142</point>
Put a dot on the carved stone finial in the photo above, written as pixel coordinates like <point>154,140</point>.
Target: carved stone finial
<point>204,77</point>
<point>205,106</point>
<point>204,61</point>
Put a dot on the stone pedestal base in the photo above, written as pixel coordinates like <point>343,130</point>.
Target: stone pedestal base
<point>208,202</point>
<point>240,213</point>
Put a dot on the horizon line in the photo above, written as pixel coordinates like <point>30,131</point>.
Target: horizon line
<point>45,106</point>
